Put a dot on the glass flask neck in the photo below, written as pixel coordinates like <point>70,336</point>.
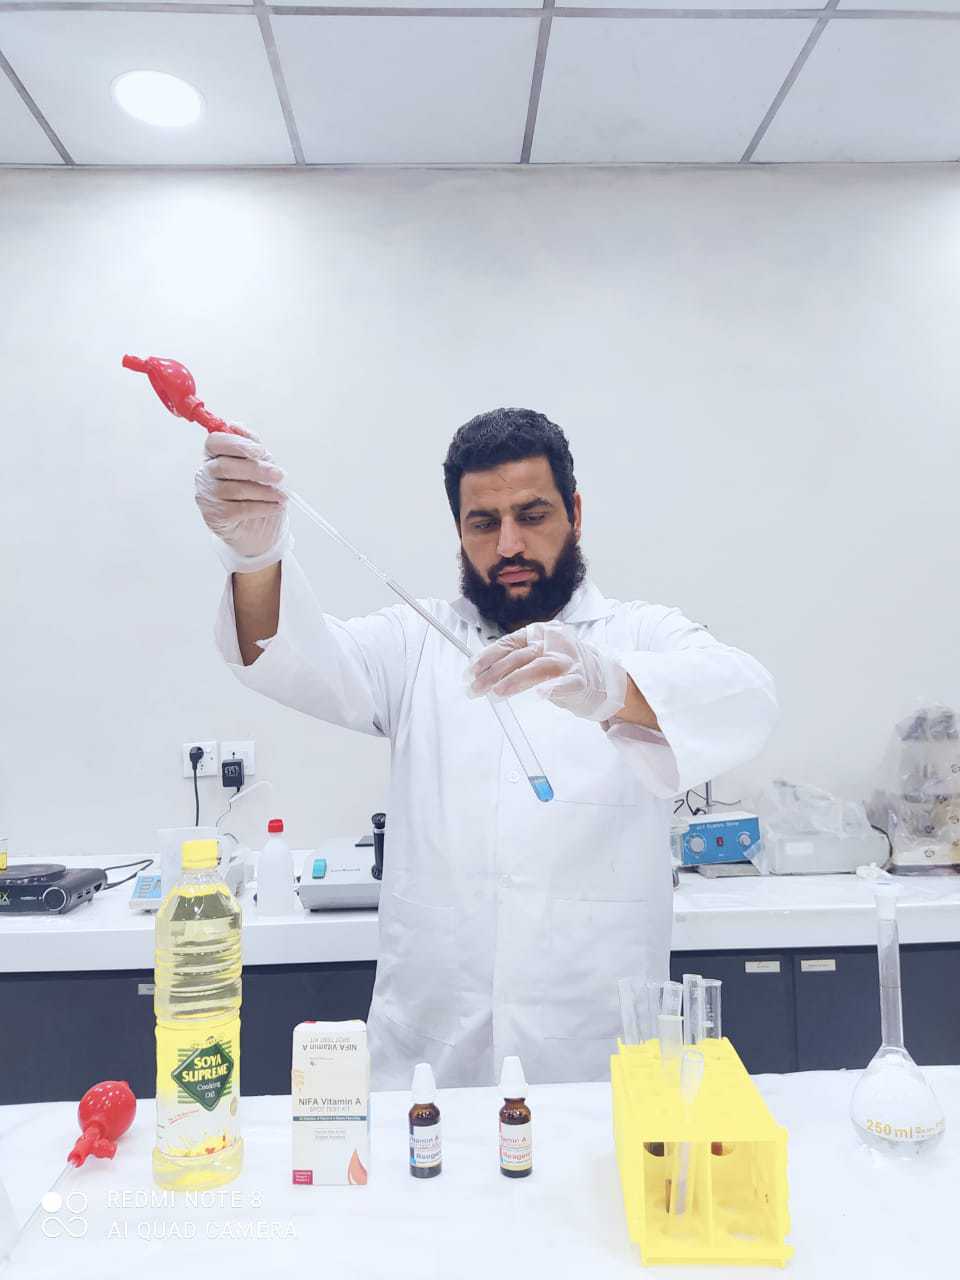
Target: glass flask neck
<point>891,1006</point>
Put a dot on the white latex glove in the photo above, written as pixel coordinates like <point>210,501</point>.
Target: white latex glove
<point>548,656</point>
<point>238,493</point>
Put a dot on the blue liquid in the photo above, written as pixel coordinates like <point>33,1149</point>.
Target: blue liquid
<point>541,787</point>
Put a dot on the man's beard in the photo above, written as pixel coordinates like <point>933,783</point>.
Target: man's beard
<point>548,593</point>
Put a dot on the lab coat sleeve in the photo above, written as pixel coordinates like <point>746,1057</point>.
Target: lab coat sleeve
<point>716,706</point>
<point>348,673</point>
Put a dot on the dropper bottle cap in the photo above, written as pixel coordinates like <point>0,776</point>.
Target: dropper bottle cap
<point>513,1084</point>
<point>423,1091</point>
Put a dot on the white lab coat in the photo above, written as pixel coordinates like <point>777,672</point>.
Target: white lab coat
<point>506,922</point>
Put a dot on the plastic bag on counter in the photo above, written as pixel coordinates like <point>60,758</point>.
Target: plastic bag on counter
<point>917,800</point>
<point>807,831</point>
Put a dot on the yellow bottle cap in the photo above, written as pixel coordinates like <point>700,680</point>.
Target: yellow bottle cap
<point>3,859</point>
<point>198,854</point>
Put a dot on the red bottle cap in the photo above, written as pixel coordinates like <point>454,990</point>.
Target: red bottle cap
<point>274,825</point>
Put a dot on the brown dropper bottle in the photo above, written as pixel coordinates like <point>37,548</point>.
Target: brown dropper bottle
<point>425,1153</point>
<point>516,1122</point>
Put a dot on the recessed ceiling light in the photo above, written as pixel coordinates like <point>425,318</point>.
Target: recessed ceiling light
<point>157,98</point>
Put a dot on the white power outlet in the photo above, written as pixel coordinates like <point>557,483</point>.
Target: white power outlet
<point>209,764</point>
<point>245,751</point>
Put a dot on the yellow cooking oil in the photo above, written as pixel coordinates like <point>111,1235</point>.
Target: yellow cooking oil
<point>197,1005</point>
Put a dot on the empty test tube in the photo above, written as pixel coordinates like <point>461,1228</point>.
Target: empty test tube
<point>693,1017</point>
<point>670,1032</point>
<point>639,1008</point>
<point>671,998</point>
<point>691,1074</point>
<point>712,1026</point>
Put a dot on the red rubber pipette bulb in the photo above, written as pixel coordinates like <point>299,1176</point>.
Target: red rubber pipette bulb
<point>105,1112</point>
<point>174,384</point>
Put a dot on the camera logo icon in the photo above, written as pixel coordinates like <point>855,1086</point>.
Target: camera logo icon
<point>64,1215</point>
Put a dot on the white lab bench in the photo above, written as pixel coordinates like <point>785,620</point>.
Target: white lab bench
<point>796,956</point>
<point>736,914</point>
<point>853,1212</point>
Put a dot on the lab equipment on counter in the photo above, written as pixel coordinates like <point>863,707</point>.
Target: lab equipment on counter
<point>176,388</point>
<point>152,885</point>
<point>197,998</point>
<point>426,1156</point>
<point>330,1098</point>
<point>47,887</point>
<point>917,801</point>
<point>337,876</point>
<point>735,1206</point>
<point>379,821</point>
<point>276,887</point>
<point>716,838</point>
<point>893,1108</point>
<point>807,831</point>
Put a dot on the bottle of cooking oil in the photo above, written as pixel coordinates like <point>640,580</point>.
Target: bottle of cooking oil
<point>197,1006</point>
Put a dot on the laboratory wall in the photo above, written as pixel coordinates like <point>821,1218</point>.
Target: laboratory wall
<point>756,369</point>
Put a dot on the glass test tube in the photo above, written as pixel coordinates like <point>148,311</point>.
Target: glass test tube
<point>671,998</point>
<point>712,1027</point>
<point>691,1074</point>
<point>692,1008</point>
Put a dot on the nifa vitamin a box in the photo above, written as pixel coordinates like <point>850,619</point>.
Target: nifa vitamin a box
<point>330,1094</point>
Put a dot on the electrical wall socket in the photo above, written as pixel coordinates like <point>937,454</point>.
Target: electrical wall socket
<point>208,766</point>
<point>245,751</point>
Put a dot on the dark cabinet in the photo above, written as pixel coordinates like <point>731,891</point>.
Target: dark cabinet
<point>758,1003</point>
<point>838,1006</point>
<point>62,1032</point>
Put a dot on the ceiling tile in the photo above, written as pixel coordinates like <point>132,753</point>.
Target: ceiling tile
<point>687,4</point>
<point>436,90</point>
<point>22,141</point>
<point>68,61</point>
<point>418,4</point>
<point>945,6</point>
<point>873,90</point>
<point>632,90</point>
<point>133,4</point>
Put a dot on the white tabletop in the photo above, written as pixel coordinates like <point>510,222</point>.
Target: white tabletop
<point>759,913</point>
<point>854,1213</point>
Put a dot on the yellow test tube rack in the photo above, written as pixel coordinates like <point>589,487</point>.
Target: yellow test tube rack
<point>725,1147</point>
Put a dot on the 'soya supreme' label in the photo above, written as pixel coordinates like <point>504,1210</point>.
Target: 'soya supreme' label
<point>205,1073</point>
<point>198,1087</point>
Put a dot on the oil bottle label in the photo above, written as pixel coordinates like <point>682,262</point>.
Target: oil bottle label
<point>516,1146</point>
<point>198,1087</point>
<point>425,1146</point>
<point>205,1073</point>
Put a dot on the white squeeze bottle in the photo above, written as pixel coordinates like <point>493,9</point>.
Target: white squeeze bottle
<point>276,889</point>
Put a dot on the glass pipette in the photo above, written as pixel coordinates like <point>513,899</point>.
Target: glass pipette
<point>176,388</point>
<point>501,708</point>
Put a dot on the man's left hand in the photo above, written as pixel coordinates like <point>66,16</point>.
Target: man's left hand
<point>548,656</point>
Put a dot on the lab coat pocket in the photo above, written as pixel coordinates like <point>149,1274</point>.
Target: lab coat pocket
<point>593,942</point>
<point>418,970</point>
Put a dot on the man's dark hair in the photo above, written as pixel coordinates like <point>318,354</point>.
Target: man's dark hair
<point>508,435</point>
